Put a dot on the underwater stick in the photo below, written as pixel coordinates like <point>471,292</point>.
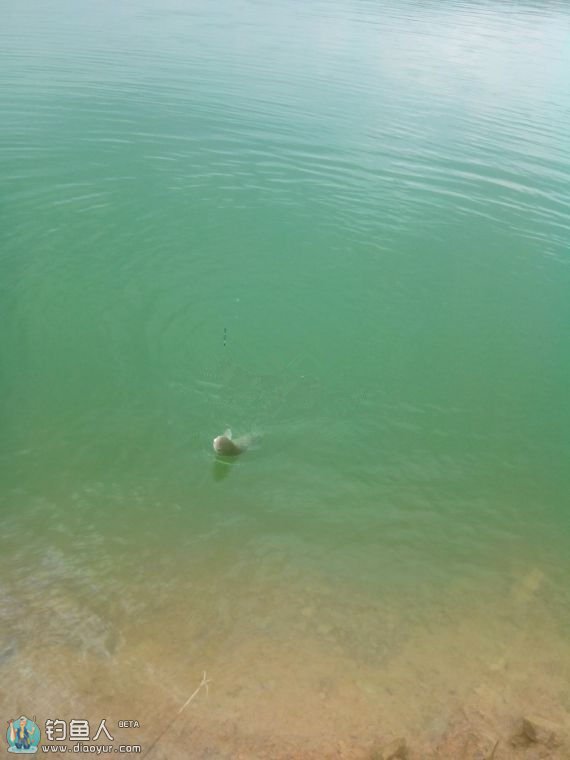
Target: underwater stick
<point>204,682</point>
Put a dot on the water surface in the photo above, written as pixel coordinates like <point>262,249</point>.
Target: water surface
<point>345,226</point>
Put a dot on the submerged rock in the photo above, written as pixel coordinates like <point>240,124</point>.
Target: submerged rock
<point>468,744</point>
<point>536,730</point>
<point>395,750</point>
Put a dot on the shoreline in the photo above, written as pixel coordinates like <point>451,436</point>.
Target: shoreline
<point>447,693</point>
<point>300,667</point>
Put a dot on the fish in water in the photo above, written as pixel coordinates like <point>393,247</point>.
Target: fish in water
<point>226,446</point>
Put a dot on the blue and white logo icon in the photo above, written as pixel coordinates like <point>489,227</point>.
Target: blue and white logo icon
<point>23,736</point>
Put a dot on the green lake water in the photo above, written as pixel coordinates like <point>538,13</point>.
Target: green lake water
<point>344,226</point>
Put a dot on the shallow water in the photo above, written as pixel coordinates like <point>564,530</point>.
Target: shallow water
<point>343,226</point>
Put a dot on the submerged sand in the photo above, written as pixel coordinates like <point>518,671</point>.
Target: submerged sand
<point>304,670</point>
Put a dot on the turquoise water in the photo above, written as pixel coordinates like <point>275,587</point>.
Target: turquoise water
<point>343,226</point>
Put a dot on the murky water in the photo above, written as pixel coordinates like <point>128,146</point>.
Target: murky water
<point>344,226</point>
